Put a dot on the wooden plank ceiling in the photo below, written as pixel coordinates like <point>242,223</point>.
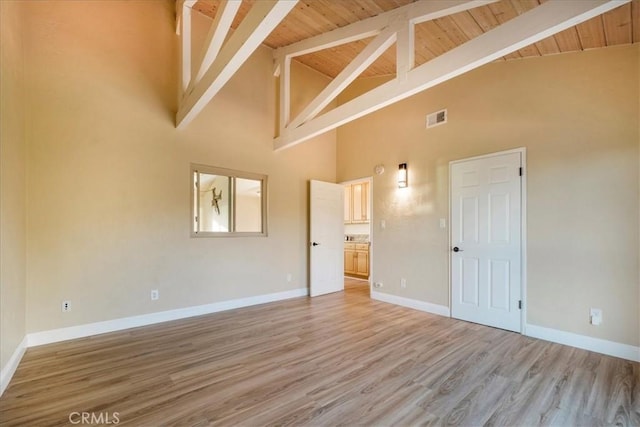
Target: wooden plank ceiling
<point>433,38</point>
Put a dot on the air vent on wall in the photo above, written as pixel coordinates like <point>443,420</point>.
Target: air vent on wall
<point>437,118</point>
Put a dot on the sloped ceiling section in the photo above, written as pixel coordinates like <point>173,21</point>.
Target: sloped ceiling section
<point>433,38</point>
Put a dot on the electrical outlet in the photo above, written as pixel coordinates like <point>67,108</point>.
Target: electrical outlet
<point>378,285</point>
<point>403,283</point>
<point>66,306</point>
<point>289,277</point>
<point>595,316</point>
<point>443,223</point>
<point>155,294</point>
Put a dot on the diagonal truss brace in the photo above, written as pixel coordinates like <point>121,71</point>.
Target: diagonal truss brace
<point>220,27</point>
<point>541,22</point>
<point>373,50</point>
<point>218,61</point>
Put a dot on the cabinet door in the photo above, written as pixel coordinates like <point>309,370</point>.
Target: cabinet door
<point>349,261</point>
<point>362,265</point>
<point>365,202</point>
<point>360,203</point>
<point>348,200</point>
<point>357,211</point>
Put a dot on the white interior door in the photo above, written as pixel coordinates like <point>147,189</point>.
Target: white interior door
<point>327,238</point>
<point>486,248</point>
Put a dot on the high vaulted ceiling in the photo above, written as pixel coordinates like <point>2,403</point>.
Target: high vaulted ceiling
<point>432,38</point>
<point>420,44</point>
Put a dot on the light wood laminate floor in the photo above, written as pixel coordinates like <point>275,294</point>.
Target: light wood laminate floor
<point>339,359</point>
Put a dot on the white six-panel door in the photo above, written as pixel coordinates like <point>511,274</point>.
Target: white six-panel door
<point>327,238</point>
<point>486,240</point>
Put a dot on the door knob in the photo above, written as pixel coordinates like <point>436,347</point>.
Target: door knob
<point>457,249</point>
<point>314,244</point>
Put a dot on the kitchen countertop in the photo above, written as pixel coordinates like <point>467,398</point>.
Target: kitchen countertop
<point>356,238</point>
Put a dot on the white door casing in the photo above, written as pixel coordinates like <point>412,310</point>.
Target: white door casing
<point>486,240</point>
<point>327,238</point>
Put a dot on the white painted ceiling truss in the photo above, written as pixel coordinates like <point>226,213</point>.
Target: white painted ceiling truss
<point>218,60</point>
<point>397,26</point>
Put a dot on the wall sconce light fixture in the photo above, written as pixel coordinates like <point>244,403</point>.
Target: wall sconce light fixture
<point>402,175</point>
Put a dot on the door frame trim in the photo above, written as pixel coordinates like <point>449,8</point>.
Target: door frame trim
<point>523,229</point>
<point>369,179</point>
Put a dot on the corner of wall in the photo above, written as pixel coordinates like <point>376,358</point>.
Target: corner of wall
<point>12,191</point>
<point>7,371</point>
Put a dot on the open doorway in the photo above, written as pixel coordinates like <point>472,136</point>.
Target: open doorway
<point>357,234</point>
<point>356,288</point>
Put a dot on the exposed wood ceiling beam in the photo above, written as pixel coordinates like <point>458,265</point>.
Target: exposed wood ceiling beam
<point>530,27</point>
<point>263,17</point>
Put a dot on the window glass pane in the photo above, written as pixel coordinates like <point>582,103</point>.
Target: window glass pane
<point>248,205</point>
<point>215,209</point>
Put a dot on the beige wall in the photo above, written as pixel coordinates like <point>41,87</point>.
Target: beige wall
<point>109,181</point>
<point>12,182</point>
<point>578,117</point>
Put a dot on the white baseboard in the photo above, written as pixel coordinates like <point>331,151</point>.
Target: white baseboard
<point>81,331</point>
<point>441,310</point>
<point>10,368</point>
<point>611,348</point>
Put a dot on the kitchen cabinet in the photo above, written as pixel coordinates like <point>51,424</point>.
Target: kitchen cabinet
<point>356,259</point>
<point>349,259</point>
<point>356,203</point>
